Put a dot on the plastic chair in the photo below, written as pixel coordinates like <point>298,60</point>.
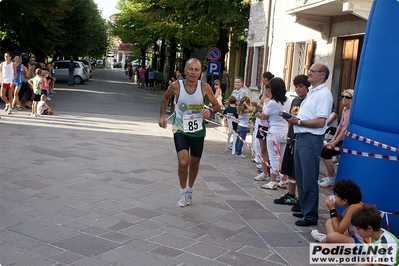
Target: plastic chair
<point>229,134</point>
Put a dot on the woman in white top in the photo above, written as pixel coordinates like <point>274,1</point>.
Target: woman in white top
<point>261,128</point>
<point>278,127</point>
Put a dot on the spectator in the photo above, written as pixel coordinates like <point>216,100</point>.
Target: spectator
<point>20,68</point>
<point>231,110</point>
<point>36,85</point>
<point>348,195</point>
<point>332,124</point>
<point>171,105</point>
<point>141,76</point>
<point>179,75</point>
<point>218,91</point>
<point>301,84</point>
<point>159,79</point>
<point>337,140</point>
<point>42,107</point>
<point>239,91</point>
<point>45,81</point>
<point>71,69</point>
<point>309,126</point>
<point>204,77</point>
<point>260,136</point>
<point>130,73</point>
<point>367,221</point>
<point>9,73</point>
<point>225,80</point>
<point>243,110</point>
<point>29,91</point>
<point>151,78</point>
<point>278,127</point>
<point>51,77</point>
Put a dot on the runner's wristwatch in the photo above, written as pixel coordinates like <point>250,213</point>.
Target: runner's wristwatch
<point>299,122</point>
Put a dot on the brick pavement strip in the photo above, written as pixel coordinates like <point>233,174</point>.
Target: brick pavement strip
<point>96,184</point>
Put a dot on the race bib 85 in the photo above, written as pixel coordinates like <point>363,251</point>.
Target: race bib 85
<point>192,123</point>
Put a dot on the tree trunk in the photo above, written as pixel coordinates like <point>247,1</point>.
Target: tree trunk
<point>186,55</point>
<point>172,57</point>
<point>162,60</point>
<point>143,54</point>
<point>155,56</point>
<point>223,45</point>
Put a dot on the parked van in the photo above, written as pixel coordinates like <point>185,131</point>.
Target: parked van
<point>80,75</point>
<point>99,63</point>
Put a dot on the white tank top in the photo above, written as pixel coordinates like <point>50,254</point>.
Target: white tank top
<point>188,119</point>
<point>8,72</point>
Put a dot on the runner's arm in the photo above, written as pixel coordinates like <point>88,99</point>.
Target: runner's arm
<point>164,103</point>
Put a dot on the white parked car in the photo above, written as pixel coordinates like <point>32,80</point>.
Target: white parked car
<point>80,75</point>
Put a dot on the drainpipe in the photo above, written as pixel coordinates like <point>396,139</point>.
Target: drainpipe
<point>266,57</point>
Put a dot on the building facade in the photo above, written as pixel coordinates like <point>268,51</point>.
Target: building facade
<point>287,37</point>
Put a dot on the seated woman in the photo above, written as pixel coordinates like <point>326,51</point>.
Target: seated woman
<point>339,228</point>
<point>327,154</point>
<point>332,124</point>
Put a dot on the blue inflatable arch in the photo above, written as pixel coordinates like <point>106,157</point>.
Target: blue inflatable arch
<point>375,113</point>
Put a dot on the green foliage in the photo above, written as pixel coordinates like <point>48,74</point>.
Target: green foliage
<point>63,27</point>
<point>192,23</point>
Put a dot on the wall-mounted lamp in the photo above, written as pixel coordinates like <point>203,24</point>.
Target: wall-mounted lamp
<point>249,35</point>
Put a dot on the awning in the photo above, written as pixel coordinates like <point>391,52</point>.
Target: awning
<point>331,8</point>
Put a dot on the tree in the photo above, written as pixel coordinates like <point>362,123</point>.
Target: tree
<point>64,27</point>
<point>191,24</point>
<point>37,29</point>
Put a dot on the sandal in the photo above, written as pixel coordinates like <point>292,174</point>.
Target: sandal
<point>271,185</point>
<point>282,184</point>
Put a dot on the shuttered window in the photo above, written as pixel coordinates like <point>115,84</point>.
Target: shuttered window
<point>289,51</point>
<point>249,66</point>
<point>260,67</point>
<point>308,56</point>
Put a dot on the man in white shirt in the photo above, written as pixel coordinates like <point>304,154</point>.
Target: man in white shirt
<point>309,127</point>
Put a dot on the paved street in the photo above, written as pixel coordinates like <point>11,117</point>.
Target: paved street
<point>96,184</point>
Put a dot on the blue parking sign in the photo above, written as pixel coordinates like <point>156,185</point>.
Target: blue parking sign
<point>213,68</point>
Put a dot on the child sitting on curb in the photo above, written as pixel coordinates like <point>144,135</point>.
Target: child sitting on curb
<point>367,221</point>
<point>42,107</point>
<point>339,228</point>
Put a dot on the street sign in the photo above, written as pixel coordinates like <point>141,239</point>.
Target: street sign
<point>213,68</point>
<point>214,54</point>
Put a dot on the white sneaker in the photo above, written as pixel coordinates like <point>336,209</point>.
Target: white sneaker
<point>48,98</point>
<point>241,156</point>
<point>6,108</point>
<point>318,235</point>
<point>259,166</point>
<point>182,200</point>
<point>335,159</point>
<point>189,197</point>
<point>9,111</point>
<point>261,177</point>
<point>329,181</point>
